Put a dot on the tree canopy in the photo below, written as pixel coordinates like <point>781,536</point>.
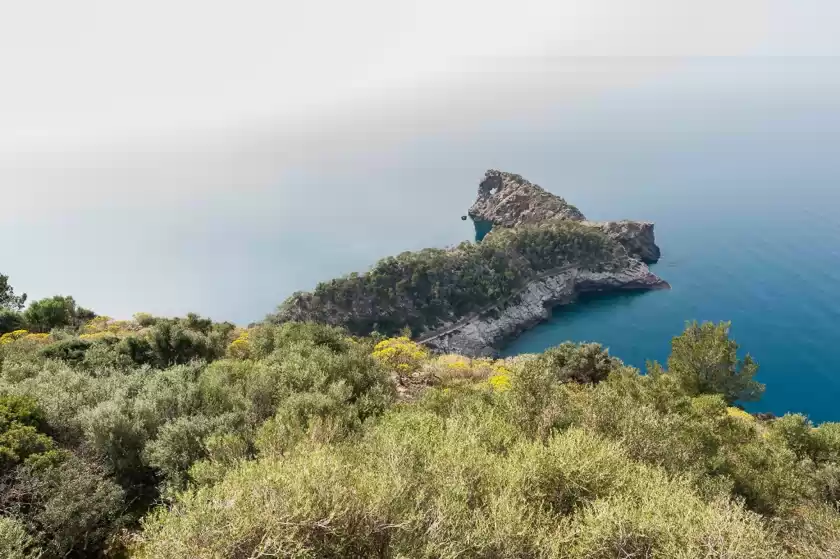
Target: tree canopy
<point>8,299</point>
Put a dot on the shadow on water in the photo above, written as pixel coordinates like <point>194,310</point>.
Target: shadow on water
<point>588,302</point>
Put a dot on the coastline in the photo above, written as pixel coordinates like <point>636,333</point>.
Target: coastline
<point>488,331</point>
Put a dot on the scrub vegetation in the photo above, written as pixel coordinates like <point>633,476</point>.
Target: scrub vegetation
<point>187,438</point>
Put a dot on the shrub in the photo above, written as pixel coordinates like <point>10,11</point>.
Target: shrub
<point>400,355</point>
<point>705,361</point>
<point>10,321</point>
<point>15,541</point>
<point>71,350</point>
<point>73,507</point>
<point>421,486</point>
<point>581,363</point>
<point>54,312</point>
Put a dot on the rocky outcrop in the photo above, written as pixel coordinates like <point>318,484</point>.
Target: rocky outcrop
<point>485,333</point>
<point>636,236</point>
<point>508,200</point>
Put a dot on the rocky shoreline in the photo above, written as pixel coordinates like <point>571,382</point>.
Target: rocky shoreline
<point>507,200</point>
<point>485,334</point>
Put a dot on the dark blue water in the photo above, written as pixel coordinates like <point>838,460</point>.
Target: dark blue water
<point>769,262</point>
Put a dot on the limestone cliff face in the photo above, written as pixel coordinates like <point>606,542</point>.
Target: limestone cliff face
<point>636,236</point>
<point>508,200</point>
<point>483,334</point>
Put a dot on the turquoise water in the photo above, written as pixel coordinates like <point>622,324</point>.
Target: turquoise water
<point>771,266</point>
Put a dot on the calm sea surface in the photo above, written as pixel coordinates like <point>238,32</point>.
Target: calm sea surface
<point>770,265</point>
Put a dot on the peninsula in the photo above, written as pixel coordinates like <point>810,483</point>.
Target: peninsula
<point>471,299</point>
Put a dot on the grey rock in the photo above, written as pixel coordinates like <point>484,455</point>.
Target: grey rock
<point>636,236</point>
<point>508,200</point>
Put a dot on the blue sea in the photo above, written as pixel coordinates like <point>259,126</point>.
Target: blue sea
<point>770,265</point>
<point>737,161</point>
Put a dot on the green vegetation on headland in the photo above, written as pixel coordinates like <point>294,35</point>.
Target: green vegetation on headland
<point>183,438</point>
<point>424,289</point>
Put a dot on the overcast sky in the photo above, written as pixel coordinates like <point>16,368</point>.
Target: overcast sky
<point>100,70</point>
<point>127,127</point>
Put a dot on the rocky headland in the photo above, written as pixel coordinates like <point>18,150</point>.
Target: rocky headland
<point>508,200</point>
<point>472,299</point>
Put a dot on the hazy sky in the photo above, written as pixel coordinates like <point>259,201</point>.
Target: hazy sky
<point>156,155</point>
<point>96,71</point>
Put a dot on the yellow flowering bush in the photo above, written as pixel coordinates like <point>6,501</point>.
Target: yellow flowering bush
<point>104,335</point>
<point>13,336</point>
<point>100,326</point>
<point>40,338</point>
<point>240,348</point>
<point>451,370</point>
<point>500,381</point>
<point>400,354</point>
<point>740,414</point>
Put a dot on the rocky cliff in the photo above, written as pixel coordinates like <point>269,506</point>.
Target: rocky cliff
<point>508,200</point>
<point>636,236</point>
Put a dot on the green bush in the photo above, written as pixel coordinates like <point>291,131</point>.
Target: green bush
<point>54,312</point>
<point>302,446</point>
<point>73,508</point>
<point>10,321</point>
<point>15,541</point>
<point>71,350</point>
<point>705,361</point>
<point>418,485</point>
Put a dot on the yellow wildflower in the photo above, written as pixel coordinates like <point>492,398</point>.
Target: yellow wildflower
<point>400,354</point>
<point>13,336</point>
<point>740,414</point>
<point>500,382</point>
<point>240,348</point>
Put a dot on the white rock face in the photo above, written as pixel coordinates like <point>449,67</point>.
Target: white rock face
<point>481,335</point>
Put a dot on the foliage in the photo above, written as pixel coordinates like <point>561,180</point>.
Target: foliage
<point>240,348</point>
<point>400,355</point>
<point>53,312</point>
<point>419,485</point>
<point>10,321</point>
<point>15,541</point>
<point>181,437</point>
<point>71,350</point>
<point>8,300</point>
<point>21,438</point>
<point>704,360</point>
<point>584,363</point>
<point>72,507</point>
